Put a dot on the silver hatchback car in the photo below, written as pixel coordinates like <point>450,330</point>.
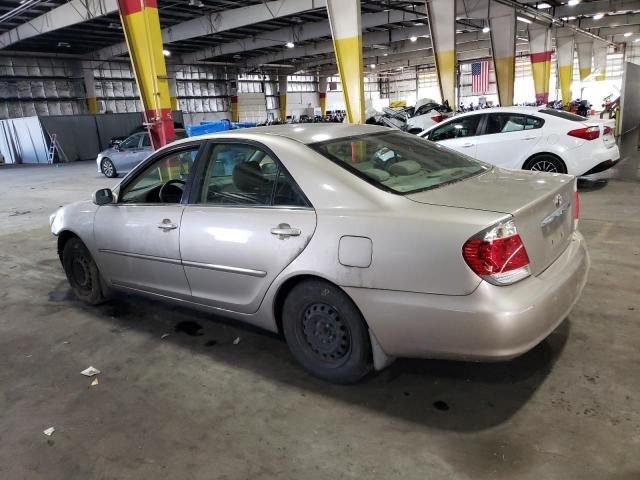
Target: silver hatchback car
<point>358,243</point>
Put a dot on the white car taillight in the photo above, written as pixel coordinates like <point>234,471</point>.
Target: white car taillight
<point>498,254</point>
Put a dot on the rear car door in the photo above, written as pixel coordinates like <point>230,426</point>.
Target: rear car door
<point>246,221</point>
<point>138,237</point>
<point>508,139</point>
<point>458,134</point>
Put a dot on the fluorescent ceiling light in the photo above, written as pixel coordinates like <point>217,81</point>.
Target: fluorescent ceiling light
<point>628,34</point>
<point>525,20</point>
<point>543,5</point>
<point>486,30</point>
<point>573,3</point>
<point>598,16</point>
<point>413,39</point>
<point>373,65</point>
<point>637,40</point>
<point>289,44</point>
<point>166,53</point>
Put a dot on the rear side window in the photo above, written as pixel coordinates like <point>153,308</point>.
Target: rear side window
<point>463,127</point>
<point>562,114</point>
<point>511,122</point>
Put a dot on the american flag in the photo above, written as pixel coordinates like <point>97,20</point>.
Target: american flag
<point>480,77</point>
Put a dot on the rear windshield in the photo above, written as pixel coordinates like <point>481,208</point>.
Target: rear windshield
<point>562,114</point>
<point>399,162</point>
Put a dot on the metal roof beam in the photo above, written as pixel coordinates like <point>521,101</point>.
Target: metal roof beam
<point>67,14</point>
<point>602,6</point>
<point>222,21</point>
<point>307,31</point>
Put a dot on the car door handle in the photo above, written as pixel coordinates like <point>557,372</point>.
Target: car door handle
<point>167,225</point>
<point>529,138</point>
<point>467,145</point>
<point>284,230</point>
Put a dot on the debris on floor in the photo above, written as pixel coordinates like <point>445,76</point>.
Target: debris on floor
<point>49,431</point>
<point>17,213</point>
<point>236,341</point>
<point>90,372</point>
<point>95,382</point>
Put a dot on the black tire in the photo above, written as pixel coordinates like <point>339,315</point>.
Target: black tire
<point>545,163</point>
<point>107,168</point>
<point>326,332</point>
<point>82,272</point>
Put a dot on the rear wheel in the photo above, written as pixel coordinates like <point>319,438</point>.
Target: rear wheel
<point>82,272</point>
<point>108,168</point>
<point>545,163</point>
<point>326,333</point>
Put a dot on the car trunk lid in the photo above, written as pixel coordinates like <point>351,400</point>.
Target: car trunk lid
<point>540,203</point>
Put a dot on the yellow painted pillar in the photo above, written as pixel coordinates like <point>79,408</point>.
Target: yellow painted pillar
<point>540,56</point>
<point>90,87</point>
<point>565,46</point>
<point>600,50</point>
<point>346,31</point>
<point>442,25</point>
<point>282,91</point>
<point>141,26</point>
<point>322,95</point>
<point>502,21</point>
<point>585,52</point>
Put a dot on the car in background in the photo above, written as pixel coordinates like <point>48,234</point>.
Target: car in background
<point>530,138</point>
<point>121,158</point>
<point>357,242</point>
<point>424,114</point>
<point>139,129</point>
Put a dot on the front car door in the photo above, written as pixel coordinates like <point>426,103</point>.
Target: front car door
<point>458,134</point>
<point>508,138</point>
<point>138,237</point>
<point>247,220</point>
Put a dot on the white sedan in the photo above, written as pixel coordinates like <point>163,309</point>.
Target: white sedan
<point>530,138</point>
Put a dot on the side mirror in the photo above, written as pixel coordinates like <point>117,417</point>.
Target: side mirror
<point>104,196</point>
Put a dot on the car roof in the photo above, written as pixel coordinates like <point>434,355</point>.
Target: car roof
<point>302,132</point>
<point>525,110</point>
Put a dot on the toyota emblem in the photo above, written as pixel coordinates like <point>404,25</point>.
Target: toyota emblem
<point>557,201</point>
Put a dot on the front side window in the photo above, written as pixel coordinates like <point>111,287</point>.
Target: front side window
<point>511,122</point>
<point>132,142</point>
<point>146,141</point>
<point>246,175</point>
<point>163,181</point>
<point>399,162</point>
<point>460,128</point>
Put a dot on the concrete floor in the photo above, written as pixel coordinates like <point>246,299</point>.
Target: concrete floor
<point>195,405</point>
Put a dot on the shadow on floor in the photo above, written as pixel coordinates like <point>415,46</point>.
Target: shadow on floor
<point>455,396</point>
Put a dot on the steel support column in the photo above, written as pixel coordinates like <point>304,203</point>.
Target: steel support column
<point>540,56</point>
<point>90,87</point>
<point>322,95</point>
<point>282,91</point>
<point>585,52</point>
<point>173,86</point>
<point>346,32</point>
<point>502,20</point>
<point>141,25</point>
<point>442,26</point>
<point>600,60</point>
<point>565,46</point>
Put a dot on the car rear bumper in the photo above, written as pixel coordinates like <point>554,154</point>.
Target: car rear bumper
<point>602,166</point>
<point>493,323</point>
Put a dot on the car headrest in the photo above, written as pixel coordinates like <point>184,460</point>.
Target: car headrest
<point>247,177</point>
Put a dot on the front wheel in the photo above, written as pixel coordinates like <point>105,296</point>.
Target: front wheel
<point>82,272</point>
<point>545,163</point>
<point>108,168</point>
<point>326,332</point>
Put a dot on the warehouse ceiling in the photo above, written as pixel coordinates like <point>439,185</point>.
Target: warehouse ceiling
<point>86,38</point>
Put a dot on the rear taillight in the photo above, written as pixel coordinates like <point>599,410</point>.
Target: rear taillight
<point>587,133</point>
<point>607,131</point>
<point>439,118</point>
<point>498,254</point>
